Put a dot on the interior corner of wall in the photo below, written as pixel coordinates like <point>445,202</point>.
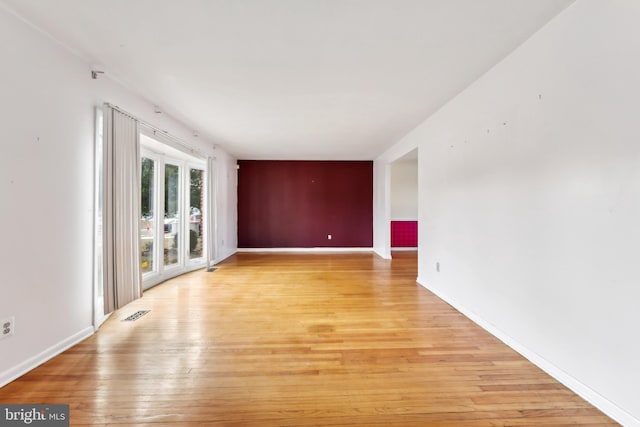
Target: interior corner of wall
<point>382,252</point>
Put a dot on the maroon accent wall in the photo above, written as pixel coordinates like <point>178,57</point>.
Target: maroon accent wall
<point>404,234</point>
<point>296,204</point>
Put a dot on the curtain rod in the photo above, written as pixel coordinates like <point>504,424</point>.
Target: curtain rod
<point>157,129</point>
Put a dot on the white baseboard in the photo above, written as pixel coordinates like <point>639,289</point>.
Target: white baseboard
<point>582,390</point>
<point>382,252</point>
<point>224,255</point>
<point>306,250</point>
<point>101,321</point>
<point>403,249</point>
<point>17,371</point>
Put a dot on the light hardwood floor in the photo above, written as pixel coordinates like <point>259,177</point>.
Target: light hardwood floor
<point>298,340</point>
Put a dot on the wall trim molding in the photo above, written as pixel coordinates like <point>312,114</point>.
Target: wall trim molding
<point>19,370</point>
<point>100,321</point>
<point>223,256</point>
<point>306,250</point>
<point>581,389</point>
<point>404,249</point>
<point>382,253</point>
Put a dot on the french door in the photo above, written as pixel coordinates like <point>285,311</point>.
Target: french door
<point>172,195</point>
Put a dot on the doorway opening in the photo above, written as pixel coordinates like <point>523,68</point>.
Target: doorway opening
<point>403,196</point>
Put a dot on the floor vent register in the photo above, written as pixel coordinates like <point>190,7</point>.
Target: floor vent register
<point>135,316</point>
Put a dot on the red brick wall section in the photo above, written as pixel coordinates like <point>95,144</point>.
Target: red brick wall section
<point>404,234</point>
<point>297,204</point>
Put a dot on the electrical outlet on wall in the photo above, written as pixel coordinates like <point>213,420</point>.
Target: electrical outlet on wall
<point>7,327</point>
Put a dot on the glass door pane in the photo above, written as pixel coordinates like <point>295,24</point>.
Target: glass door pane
<point>147,219</point>
<point>171,215</point>
<point>196,212</point>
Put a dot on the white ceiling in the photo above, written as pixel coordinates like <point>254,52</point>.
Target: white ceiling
<point>294,79</point>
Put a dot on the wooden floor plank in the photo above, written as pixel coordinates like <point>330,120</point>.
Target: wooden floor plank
<point>299,340</point>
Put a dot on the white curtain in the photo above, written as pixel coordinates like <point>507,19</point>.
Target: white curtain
<point>121,209</point>
<point>212,226</point>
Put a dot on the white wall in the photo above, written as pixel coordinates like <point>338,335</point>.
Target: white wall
<point>227,205</point>
<point>46,191</point>
<point>530,201</point>
<point>381,208</point>
<point>404,190</point>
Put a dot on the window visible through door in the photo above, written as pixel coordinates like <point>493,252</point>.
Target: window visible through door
<point>172,212</point>
<point>196,212</point>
